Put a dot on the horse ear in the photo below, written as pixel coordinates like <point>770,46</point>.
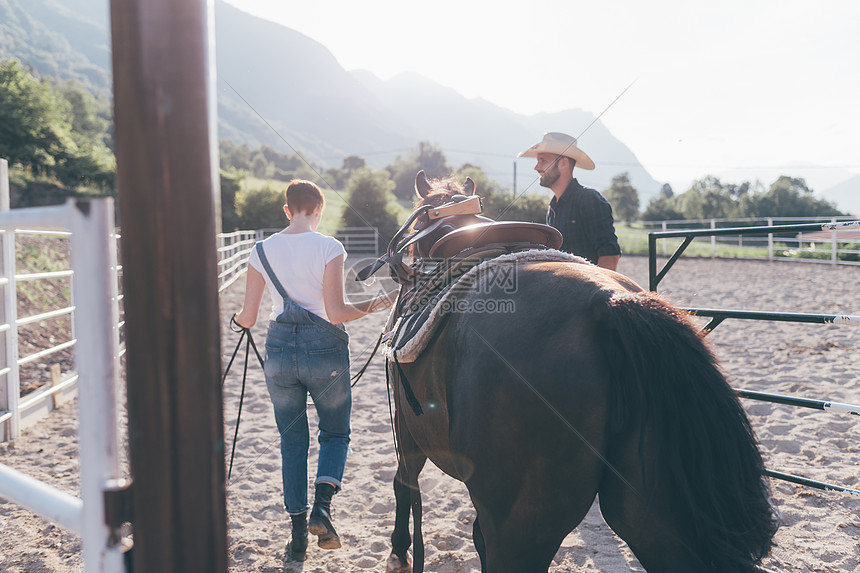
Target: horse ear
<point>422,186</point>
<point>469,186</point>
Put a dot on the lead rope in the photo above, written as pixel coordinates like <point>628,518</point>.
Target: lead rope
<point>366,364</point>
<point>249,343</point>
<point>234,325</point>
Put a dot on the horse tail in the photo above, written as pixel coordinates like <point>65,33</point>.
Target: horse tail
<point>700,440</point>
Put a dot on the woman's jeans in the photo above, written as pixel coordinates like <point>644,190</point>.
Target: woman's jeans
<point>302,359</point>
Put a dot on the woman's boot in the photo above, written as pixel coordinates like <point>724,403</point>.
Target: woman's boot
<point>298,546</point>
<point>320,520</point>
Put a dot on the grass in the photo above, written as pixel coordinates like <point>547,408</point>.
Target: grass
<point>41,254</point>
<point>634,240</point>
<point>335,200</point>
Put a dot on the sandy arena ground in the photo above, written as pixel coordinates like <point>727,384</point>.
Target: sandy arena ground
<point>820,532</point>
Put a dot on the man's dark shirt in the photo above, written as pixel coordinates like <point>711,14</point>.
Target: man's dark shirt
<point>584,218</point>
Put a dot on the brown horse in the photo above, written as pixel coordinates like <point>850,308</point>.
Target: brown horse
<point>589,385</point>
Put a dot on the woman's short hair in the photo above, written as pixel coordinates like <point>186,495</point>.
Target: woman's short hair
<point>304,196</point>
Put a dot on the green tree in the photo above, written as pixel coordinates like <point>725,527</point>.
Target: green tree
<point>282,161</point>
<point>623,197</point>
<point>666,191</point>
<point>91,117</point>
<point>370,203</point>
<point>661,208</point>
<point>235,156</point>
<point>707,198</point>
<point>261,208</point>
<point>59,132</point>
<point>427,157</point>
<point>231,184</point>
<point>499,202</point>
<point>32,116</point>
<point>337,177</point>
<point>791,197</point>
<point>259,165</point>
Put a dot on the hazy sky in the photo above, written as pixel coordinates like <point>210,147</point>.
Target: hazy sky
<point>742,89</point>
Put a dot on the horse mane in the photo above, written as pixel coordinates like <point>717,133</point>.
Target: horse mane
<point>443,191</point>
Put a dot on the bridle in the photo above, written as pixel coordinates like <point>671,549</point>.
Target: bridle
<point>421,223</point>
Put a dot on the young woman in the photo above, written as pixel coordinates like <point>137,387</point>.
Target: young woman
<point>306,353</point>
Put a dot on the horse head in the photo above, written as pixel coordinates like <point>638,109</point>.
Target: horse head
<point>437,214</point>
<point>436,193</point>
<point>442,191</point>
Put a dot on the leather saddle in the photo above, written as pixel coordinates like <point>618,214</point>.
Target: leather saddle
<point>509,234</point>
<point>447,256</point>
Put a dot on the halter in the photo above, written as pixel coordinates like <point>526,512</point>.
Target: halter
<point>423,221</point>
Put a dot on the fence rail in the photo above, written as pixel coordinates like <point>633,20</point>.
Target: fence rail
<point>774,233</point>
<point>93,264</point>
<point>235,248</point>
<point>731,239</point>
<point>719,315</point>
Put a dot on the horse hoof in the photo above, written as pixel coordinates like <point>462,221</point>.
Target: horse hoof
<point>397,565</point>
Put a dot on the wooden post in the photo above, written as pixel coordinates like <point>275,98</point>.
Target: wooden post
<point>164,107</point>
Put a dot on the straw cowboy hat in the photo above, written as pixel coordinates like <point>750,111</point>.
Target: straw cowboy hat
<point>560,144</point>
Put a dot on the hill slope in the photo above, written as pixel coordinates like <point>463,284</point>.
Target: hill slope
<point>279,87</point>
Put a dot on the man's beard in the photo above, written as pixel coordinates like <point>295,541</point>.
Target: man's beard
<point>550,176</point>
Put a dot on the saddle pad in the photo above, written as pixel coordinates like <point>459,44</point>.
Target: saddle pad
<point>407,343</point>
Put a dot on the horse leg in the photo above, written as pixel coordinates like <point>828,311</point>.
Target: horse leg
<point>644,522</point>
<point>398,561</point>
<point>513,548</point>
<point>521,525</point>
<point>417,536</point>
<point>410,463</point>
<point>480,545</point>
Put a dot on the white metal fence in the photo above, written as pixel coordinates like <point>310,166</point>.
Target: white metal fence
<point>233,251</point>
<point>235,248</point>
<point>828,247</point>
<point>96,317</point>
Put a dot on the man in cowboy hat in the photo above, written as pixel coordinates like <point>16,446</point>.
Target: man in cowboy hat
<point>582,215</point>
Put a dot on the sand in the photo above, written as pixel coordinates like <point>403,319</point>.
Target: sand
<point>820,530</point>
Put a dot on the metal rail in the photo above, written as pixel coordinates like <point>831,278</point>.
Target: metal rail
<point>718,315</point>
<point>655,276</point>
<point>811,483</point>
<point>823,405</point>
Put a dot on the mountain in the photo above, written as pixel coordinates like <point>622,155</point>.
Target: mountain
<point>479,132</point>
<point>278,87</point>
<point>846,195</point>
<point>67,40</point>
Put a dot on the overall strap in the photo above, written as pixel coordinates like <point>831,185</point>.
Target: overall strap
<point>268,268</point>
<point>306,316</point>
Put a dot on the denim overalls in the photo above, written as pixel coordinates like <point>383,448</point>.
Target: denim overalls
<point>307,354</point>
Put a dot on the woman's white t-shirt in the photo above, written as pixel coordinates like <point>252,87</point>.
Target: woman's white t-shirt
<point>298,260</point>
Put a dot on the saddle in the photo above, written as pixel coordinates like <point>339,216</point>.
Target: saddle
<point>434,249</point>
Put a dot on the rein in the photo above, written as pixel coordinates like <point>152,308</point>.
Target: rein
<point>249,343</point>
<point>234,325</point>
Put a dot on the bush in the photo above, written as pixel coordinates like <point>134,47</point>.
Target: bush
<point>371,203</point>
<point>850,256</point>
<point>261,208</point>
<point>231,184</point>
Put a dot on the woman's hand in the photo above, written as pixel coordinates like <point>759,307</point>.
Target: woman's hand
<point>238,321</point>
<point>339,310</point>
